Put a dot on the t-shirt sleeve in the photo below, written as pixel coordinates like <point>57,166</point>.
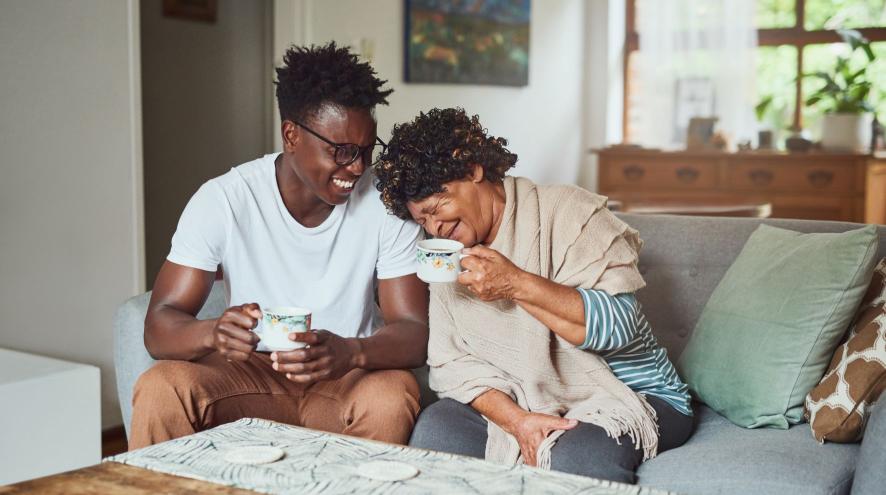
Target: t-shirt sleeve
<point>202,231</point>
<point>397,246</point>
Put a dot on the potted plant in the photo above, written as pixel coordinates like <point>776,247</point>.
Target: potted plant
<point>846,125</point>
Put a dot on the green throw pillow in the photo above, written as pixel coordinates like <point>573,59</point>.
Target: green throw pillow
<point>768,331</point>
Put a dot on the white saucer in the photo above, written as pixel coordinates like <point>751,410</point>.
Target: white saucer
<point>258,454</point>
<point>387,470</point>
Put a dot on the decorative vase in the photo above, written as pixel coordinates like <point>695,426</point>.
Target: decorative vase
<point>846,132</point>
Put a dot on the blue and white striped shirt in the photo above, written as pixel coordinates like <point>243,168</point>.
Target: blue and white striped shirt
<point>617,330</point>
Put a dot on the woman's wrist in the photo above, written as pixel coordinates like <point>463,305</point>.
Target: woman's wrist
<point>522,286</point>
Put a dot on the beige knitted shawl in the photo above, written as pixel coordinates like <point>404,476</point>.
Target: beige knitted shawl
<point>567,235</point>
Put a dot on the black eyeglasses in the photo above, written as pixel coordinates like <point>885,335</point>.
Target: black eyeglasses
<point>347,153</point>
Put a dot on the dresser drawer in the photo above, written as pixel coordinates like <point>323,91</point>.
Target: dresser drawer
<point>791,177</point>
<point>659,174</point>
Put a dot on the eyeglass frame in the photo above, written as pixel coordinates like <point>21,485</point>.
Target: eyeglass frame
<point>361,150</point>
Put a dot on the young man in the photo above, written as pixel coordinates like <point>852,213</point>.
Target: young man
<point>299,228</point>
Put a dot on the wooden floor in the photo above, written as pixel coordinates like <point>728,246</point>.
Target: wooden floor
<point>114,441</point>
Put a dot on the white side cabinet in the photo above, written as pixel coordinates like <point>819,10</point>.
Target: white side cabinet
<point>50,416</point>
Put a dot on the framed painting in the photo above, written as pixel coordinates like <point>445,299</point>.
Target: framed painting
<point>467,42</point>
<point>194,10</point>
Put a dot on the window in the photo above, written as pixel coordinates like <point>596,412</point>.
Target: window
<point>795,37</point>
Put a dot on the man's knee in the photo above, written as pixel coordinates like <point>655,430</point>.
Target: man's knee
<point>383,406</point>
<point>387,393</point>
<point>164,384</point>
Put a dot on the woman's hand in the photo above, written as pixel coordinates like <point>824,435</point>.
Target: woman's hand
<point>232,335</point>
<point>489,274</point>
<point>532,428</point>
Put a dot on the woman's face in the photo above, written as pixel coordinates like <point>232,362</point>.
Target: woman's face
<point>458,213</point>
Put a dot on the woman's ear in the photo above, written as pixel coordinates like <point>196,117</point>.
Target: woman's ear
<point>477,173</point>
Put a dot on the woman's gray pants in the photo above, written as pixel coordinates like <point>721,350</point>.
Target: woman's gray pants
<point>586,450</point>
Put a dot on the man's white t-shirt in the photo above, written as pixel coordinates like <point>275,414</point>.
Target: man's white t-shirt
<point>238,221</point>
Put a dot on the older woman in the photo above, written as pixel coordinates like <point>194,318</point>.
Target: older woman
<point>540,353</point>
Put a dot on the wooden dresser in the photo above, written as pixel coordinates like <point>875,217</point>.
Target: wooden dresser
<point>819,186</point>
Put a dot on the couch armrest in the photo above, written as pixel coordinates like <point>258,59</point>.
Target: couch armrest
<point>870,470</point>
<point>131,359</point>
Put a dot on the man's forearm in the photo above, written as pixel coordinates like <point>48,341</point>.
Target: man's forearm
<point>399,345</point>
<point>174,334</point>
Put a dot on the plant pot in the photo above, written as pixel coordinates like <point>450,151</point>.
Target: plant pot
<point>846,132</point>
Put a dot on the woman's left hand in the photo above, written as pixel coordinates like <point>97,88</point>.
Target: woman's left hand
<point>489,274</point>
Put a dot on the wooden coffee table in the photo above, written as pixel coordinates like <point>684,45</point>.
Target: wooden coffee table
<point>112,478</point>
<point>314,462</point>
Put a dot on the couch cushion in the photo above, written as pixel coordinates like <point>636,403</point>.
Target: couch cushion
<point>684,257</point>
<point>769,330</point>
<point>721,458</point>
<point>838,407</point>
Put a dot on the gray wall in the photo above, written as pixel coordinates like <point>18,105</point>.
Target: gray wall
<point>70,183</point>
<point>208,95</point>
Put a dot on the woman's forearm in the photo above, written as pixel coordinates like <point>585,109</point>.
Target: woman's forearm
<point>557,306</point>
<point>499,408</point>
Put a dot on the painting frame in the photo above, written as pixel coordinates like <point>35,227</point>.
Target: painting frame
<point>192,10</point>
<point>487,47</point>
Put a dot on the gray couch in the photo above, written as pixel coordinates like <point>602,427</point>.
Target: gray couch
<point>683,260</point>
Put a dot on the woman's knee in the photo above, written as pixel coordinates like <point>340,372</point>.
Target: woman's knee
<point>588,451</point>
<point>450,426</point>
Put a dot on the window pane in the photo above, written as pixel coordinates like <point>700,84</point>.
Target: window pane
<point>776,82</point>
<point>833,14</point>
<point>822,58</point>
<point>776,13</point>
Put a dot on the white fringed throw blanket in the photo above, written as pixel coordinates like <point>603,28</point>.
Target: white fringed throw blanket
<point>567,235</point>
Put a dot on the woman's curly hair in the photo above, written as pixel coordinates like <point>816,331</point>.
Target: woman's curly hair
<point>437,147</point>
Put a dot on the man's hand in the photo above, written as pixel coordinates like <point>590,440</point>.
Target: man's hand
<point>328,357</point>
<point>232,336</point>
<point>532,428</point>
<point>489,274</point>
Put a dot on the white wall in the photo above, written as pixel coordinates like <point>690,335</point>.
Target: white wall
<point>70,192</point>
<point>542,121</point>
<point>208,98</point>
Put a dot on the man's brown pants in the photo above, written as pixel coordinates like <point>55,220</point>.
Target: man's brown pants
<point>178,398</point>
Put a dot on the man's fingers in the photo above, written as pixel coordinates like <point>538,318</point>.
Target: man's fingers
<point>300,355</point>
<point>471,263</point>
<point>235,355</point>
<point>253,310</point>
<point>235,333</point>
<point>303,368</point>
<point>241,319</point>
<point>308,378</point>
<point>310,337</point>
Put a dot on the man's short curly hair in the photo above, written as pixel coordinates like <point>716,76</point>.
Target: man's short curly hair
<point>312,77</point>
<point>437,147</point>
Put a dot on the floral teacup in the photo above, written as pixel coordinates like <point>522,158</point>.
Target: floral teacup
<point>439,260</point>
<point>278,323</point>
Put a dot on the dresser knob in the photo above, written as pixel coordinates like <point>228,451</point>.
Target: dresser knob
<point>633,172</point>
<point>687,174</point>
<point>820,178</point>
<point>760,177</point>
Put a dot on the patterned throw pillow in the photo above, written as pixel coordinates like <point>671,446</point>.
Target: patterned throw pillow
<point>838,408</point>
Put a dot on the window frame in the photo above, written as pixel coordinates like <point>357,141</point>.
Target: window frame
<point>796,35</point>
